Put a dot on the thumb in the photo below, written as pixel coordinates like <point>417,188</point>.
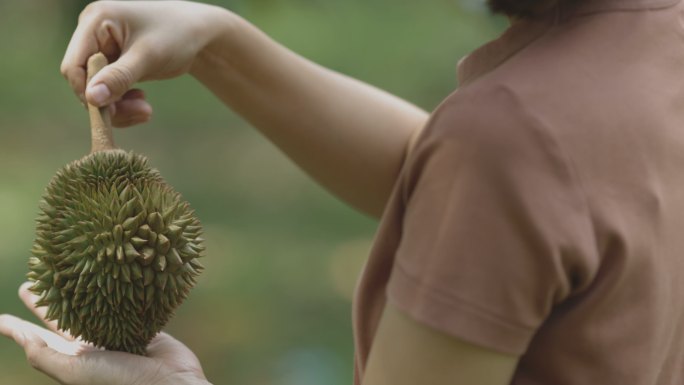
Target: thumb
<point>115,79</point>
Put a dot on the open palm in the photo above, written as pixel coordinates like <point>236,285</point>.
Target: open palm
<point>73,362</point>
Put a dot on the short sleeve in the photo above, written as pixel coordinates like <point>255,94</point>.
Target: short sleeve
<point>495,228</point>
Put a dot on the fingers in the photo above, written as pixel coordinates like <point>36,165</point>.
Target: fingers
<point>10,327</point>
<point>47,360</point>
<point>45,351</point>
<point>48,353</point>
<point>100,30</point>
<point>132,109</point>
<point>114,80</point>
<point>16,328</point>
<point>83,44</point>
<point>29,300</point>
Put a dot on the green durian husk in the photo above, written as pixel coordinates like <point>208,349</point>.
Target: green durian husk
<point>116,251</point>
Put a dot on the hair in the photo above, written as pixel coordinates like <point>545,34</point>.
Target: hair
<point>520,8</point>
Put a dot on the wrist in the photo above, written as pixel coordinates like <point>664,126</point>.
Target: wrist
<point>221,26</point>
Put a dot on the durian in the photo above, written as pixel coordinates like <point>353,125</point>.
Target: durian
<point>116,248</point>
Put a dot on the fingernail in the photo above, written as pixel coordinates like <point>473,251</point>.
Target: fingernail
<point>99,93</point>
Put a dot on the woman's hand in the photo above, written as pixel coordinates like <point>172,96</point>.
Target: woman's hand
<point>349,136</point>
<point>73,362</point>
<point>144,40</point>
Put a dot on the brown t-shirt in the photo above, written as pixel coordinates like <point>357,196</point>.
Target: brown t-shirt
<point>542,211</point>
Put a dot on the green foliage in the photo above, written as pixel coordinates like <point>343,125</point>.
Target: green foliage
<point>273,306</point>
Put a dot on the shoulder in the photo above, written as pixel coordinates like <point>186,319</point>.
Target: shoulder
<point>490,138</point>
<point>491,126</point>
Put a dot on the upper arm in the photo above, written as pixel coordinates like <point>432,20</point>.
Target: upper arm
<point>494,227</point>
<point>407,352</point>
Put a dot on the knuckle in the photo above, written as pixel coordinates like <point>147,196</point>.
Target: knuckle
<point>33,358</point>
<point>88,10</point>
<point>121,78</point>
<point>94,9</point>
<point>73,78</point>
<point>64,70</point>
<point>149,51</point>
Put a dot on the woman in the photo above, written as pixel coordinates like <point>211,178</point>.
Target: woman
<point>529,226</point>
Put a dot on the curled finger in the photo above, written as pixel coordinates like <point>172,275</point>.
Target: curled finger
<point>132,109</point>
<point>29,300</point>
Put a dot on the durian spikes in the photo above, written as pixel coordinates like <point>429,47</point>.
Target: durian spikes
<point>116,249</point>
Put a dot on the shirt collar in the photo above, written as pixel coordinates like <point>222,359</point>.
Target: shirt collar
<point>524,31</point>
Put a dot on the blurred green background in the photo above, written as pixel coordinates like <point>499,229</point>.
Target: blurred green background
<point>273,306</point>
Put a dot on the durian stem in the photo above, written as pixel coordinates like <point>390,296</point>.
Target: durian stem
<point>100,121</point>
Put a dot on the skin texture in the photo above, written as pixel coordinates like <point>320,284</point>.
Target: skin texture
<point>404,353</point>
<point>72,362</point>
<point>349,136</point>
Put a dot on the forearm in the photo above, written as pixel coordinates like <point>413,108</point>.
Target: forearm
<point>350,137</point>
